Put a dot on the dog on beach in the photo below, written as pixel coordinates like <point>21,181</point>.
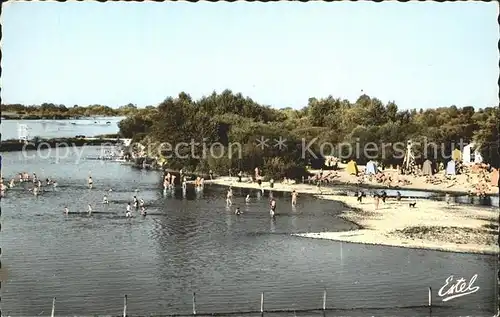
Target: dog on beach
<point>412,205</point>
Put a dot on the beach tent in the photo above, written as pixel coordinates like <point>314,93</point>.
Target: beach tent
<point>352,168</point>
<point>427,168</point>
<point>471,154</point>
<point>450,168</point>
<point>456,155</point>
<point>494,178</point>
<point>371,168</point>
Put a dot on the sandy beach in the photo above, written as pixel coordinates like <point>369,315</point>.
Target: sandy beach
<point>461,183</point>
<point>429,225</point>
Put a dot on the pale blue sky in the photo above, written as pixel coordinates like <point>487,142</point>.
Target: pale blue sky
<point>417,54</point>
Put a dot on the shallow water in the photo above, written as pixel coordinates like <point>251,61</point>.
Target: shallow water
<point>194,243</point>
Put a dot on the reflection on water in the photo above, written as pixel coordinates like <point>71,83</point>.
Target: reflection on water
<point>191,242</point>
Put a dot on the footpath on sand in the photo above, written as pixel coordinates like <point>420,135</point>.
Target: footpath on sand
<point>430,224</point>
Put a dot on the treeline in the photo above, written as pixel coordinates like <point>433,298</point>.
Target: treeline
<point>229,118</point>
<point>50,110</point>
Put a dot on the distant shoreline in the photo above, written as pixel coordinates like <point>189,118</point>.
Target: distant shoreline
<point>16,145</point>
<point>56,117</point>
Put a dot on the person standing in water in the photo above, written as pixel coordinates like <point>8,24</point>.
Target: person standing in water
<point>294,197</point>
<point>247,199</point>
<point>91,182</point>
<point>143,211</point>
<point>136,202</point>
<point>229,196</point>
<point>273,207</point>
<point>90,209</point>
<point>184,183</point>
<point>172,183</point>
<point>66,210</point>
<point>105,199</point>
<point>238,211</point>
<point>129,209</point>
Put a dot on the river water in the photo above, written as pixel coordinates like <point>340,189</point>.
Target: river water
<point>193,243</point>
<point>11,129</point>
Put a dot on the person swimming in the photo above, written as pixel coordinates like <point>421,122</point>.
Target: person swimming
<point>91,182</point>
<point>105,199</point>
<point>143,211</point>
<point>141,202</point>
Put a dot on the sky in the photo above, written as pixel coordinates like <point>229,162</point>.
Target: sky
<point>418,54</point>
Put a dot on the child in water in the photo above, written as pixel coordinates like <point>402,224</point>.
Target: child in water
<point>129,208</point>
<point>294,198</point>
<point>273,207</point>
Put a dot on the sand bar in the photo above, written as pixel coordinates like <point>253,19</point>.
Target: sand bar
<point>430,224</point>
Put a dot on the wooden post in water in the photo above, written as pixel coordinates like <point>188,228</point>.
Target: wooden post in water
<point>125,306</point>
<point>53,307</point>
<point>194,303</point>
<point>430,296</point>
<point>324,299</point>
<point>262,303</point>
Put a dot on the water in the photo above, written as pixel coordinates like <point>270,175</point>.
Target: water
<point>490,201</point>
<point>60,128</point>
<point>194,243</point>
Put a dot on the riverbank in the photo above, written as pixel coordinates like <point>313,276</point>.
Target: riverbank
<point>429,225</point>
<point>15,145</point>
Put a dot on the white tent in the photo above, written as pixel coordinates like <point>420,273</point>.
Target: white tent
<point>471,154</point>
<point>371,168</point>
